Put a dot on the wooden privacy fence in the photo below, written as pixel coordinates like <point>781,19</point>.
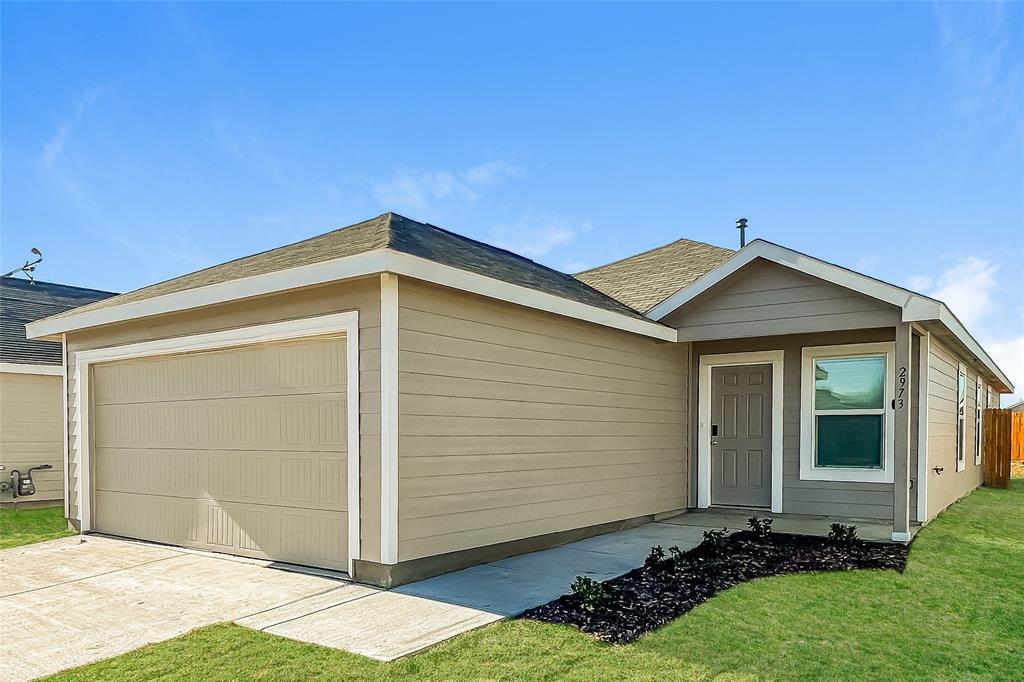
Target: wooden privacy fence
<point>998,445</point>
<point>1017,438</point>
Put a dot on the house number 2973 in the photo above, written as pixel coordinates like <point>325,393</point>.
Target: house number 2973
<point>901,389</point>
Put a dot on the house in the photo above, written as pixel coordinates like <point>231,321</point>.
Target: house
<point>32,386</point>
<point>1016,407</point>
<point>394,400</point>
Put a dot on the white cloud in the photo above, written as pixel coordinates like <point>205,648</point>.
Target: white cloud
<point>425,192</point>
<point>53,146</point>
<point>868,263</point>
<point>966,287</point>
<point>492,173</point>
<point>1009,355</point>
<point>919,283</point>
<point>969,288</point>
<point>536,238</point>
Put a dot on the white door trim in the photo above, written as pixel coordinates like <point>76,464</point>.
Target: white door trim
<point>773,357</point>
<point>347,322</point>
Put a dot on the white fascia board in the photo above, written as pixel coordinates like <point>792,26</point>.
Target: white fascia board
<point>915,307</point>
<point>20,368</point>
<point>421,268</point>
<point>246,287</point>
<point>373,262</point>
<point>946,317</point>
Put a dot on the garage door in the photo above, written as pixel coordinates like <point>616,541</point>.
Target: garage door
<point>241,450</point>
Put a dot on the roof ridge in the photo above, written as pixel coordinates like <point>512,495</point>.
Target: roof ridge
<point>651,250</point>
<point>506,252</point>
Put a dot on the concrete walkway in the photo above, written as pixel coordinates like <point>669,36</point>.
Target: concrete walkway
<point>76,600</point>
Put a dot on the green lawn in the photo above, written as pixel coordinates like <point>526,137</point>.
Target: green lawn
<point>957,613</point>
<point>25,526</point>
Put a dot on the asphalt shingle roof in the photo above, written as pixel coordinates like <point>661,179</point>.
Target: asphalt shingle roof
<point>646,279</point>
<point>22,302</point>
<point>389,231</point>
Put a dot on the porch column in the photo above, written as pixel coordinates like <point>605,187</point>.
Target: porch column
<point>901,435</point>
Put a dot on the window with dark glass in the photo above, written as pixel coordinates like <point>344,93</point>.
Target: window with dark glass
<point>849,412</point>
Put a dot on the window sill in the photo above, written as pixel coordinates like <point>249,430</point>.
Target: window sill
<point>846,475</point>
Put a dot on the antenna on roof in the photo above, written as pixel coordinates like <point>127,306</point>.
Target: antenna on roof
<point>29,267</point>
<point>741,225</point>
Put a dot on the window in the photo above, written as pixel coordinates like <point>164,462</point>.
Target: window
<point>978,419</point>
<point>846,421</point>
<point>961,418</point>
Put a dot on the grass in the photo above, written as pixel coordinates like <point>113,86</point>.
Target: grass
<point>957,613</point>
<point>25,526</point>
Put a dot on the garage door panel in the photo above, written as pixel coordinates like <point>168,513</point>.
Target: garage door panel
<point>300,536</point>
<point>241,451</point>
<point>287,368</point>
<point>314,480</point>
<point>267,423</point>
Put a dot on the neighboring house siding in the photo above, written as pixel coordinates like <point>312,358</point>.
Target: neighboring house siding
<point>765,299</point>
<point>362,295</point>
<point>839,498</point>
<point>31,432</point>
<point>950,485</point>
<point>515,423</point>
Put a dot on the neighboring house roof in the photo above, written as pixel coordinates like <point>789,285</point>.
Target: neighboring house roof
<point>397,233</point>
<point>646,279</point>
<point>21,302</point>
<point>1016,407</point>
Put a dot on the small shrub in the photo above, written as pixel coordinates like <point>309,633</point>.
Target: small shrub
<point>655,557</point>
<point>589,591</point>
<point>675,553</point>
<point>843,534</point>
<point>715,539</point>
<point>760,527</point>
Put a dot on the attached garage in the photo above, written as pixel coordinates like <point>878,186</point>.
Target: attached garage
<point>240,448</point>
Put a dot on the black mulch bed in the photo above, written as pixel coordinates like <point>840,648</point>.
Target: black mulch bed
<point>648,597</point>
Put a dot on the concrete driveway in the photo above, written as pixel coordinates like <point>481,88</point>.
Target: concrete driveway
<point>77,600</point>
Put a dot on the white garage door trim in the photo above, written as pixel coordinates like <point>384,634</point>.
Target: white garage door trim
<point>276,331</point>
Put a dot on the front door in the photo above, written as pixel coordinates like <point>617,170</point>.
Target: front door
<point>741,435</point>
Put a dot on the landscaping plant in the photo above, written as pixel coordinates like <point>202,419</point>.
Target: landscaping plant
<point>760,527</point>
<point>843,534</point>
<point>655,557</point>
<point>590,592</point>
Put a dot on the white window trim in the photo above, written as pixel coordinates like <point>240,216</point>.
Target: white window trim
<point>979,420</point>
<point>707,362</point>
<point>961,445</point>
<point>347,322</point>
<point>810,472</point>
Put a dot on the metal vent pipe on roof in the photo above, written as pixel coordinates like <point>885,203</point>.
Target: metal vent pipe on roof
<point>741,225</point>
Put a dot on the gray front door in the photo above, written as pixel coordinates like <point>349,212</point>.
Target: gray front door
<point>741,435</point>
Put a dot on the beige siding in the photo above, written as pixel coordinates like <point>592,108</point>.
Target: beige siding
<point>866,500</point>
<point>950,485</point>
<point>31,431</point>
<point>766,299</point>
<point>515,423</point>
<point>362,295</point>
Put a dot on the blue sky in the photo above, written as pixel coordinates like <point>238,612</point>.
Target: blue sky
<point>144,141</point>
